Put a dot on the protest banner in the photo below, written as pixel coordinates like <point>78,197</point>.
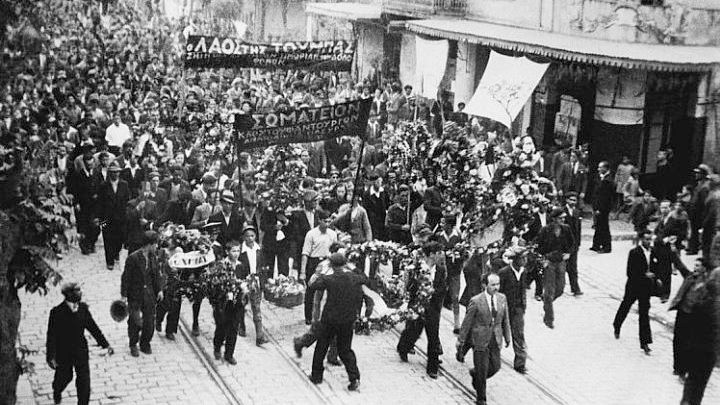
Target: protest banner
<point>303,125</point>
<point>220,52</point>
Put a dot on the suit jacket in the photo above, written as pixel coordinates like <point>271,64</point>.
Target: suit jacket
<point>84,190</point>
<point>161,199</point>
<point>512,288</point>
<point>344,295</point>
<point>603,194</point>
<point>269,242</point>
<point>229,231</point>
<point>112,205</point>
<point>637,282</point>
<point>574,221</point>
<point>535,227</point>
<point>474,269</point>
<point>440,286</point>
<point>134,182</point>
<point>454,265</point>
<point>66,334</point>
<point>568,181</point>
<point>376,207</point>
<point>553,247</point>
<point>140,275</point>
<point>167,185</point>
<point>478,326</point>
<point>177,212</point>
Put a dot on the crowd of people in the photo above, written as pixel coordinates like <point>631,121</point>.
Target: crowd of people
<point>138,141</point>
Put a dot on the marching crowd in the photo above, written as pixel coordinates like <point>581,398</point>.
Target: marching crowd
<point>138,142</point>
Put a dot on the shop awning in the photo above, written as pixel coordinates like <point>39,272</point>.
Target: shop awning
<point>671,58</point>
<point>346,11</point>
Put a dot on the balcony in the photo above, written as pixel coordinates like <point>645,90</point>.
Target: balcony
<point>425,8</point>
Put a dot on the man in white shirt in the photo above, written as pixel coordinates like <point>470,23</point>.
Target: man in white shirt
<point>252,270</point>
<point>316,247</point>
<point>116,135</point>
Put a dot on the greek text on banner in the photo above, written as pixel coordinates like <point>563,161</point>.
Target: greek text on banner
<point>303,125</point>
<point>219,52</point>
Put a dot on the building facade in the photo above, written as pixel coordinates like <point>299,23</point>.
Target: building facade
<point>627,77</point>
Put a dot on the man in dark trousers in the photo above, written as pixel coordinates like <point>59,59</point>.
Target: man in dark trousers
<point>84,188</point>
<point>555,243</point>
<point>448,238</point>
<point>430,319</point>
<point>227,310</point>
<point>640,278</point>
<point>275,231</point>
<point>252,264</point>
<point>513,280</point>
<point>141,286</point>
<point>66,346</point>
<point>540,220</point>
<point>344,298</point>
<point>486,323</point>
<point>574,220</point>
<point>376,203</point>
<point>113,197</point>
<point>602,201</point>
<point>301,222</point>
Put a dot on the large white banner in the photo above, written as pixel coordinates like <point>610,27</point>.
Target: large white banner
<point>430,62</point>
<point>505,87</point>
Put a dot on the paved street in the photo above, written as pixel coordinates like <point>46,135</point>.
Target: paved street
<point>579,362</point>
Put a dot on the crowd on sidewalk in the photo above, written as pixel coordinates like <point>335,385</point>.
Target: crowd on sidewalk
<point>138,142</point>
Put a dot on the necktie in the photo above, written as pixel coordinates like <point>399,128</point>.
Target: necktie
<point>492,307</point>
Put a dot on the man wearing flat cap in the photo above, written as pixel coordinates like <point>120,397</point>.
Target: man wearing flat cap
<point>344,298</point>
<point>555,243</point>
<point>113,197</point>
<point>66,346</point>
<point>141,287</point>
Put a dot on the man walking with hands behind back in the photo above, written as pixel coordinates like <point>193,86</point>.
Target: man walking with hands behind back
<point>486,323</point>
<point>513,282</point>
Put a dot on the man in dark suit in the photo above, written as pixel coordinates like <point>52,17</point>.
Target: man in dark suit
<point>513,280</point>
<point>157,193</point>
<point>84,188</point>
<point>301,222</point>
<point>177,184</point>
<point>640,278</point>
<point>275,227</point>
<point>555,243</point>
<point>574,220</point>
<point>376,203</point>
<point>344,298</point>
<point>252,264</point>
<point>230,219</point>
<point>572,177</point>
<point>141,286</point>
<point>540,220</point>
<point>602,203</point>
<point>134,175</point>
<point>66,346</point>
<point>486,323</point>
<point>430,319</point>
<point>113,197</point>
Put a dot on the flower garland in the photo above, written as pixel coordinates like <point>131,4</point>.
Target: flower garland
<point>220,285</point>
<point>279,177</point>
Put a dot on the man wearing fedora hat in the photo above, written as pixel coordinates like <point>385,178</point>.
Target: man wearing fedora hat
<point>141,286</point>
<point>555,243</point>
<point>113,197</point>
<point>230,219</point>
<point>66,346</point>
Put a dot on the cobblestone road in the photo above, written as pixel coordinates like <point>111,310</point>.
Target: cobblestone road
<point>579,362</point>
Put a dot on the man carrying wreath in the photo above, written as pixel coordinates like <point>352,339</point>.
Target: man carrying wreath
<point>251,268</point>
<point>227,311</point>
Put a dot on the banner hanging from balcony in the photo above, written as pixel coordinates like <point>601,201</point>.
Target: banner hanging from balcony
<point>220,52</point>
<point>505,87</point>
<point>303,124</point>
<point>430,63</point>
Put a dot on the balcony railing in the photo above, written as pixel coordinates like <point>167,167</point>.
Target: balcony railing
<point>422,8</point>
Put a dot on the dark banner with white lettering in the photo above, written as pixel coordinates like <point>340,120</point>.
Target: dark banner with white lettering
<point>303,124</point>
<point>218,52</point>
